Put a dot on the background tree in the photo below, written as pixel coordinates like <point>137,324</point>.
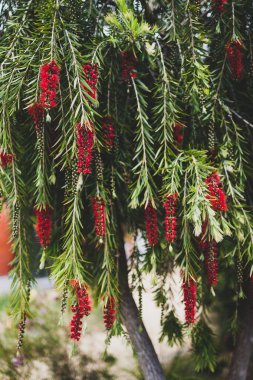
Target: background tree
<point>130,117</point>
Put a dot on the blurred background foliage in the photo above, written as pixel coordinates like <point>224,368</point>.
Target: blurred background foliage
<point>48,354</point>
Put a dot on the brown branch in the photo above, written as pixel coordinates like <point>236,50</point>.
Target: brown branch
<point>147,357</point>
<point>244,343</point>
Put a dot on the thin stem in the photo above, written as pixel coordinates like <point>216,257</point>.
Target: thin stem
<point>233,20</point>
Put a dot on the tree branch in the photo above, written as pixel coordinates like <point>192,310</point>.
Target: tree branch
<point>147,357</point>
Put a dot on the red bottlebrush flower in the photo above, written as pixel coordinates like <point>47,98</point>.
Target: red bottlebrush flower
<point>216,194</point>
<point>109,132</point>
<point>211,251</point>
<point>151,225</point>
<point>128,65</point>
<point>219,5</point>
<point>44,226</point>
<point>98,206</point>
<point>85,143</point>
<point>84,302</point>
<point>49,80</point>
<point>6,159</point>
<point>37,113</point>
<point>235,57</point>
<point>178,133</point>
<point>76,323</point>
<point>91,78</point>
<point>190,292</point>
<point>110,313</point>
<point>170,221</point>
<point>80,309</point>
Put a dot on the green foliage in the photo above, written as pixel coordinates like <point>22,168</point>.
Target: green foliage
<point>126,28</point>
<point>182,368</point>
<point>172,330</point>
<point>69,265</point>
<point>182,78</point>
<point>203,347</point>
<point>144,152</point>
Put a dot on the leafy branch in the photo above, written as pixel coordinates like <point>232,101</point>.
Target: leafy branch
<point>144,151</point>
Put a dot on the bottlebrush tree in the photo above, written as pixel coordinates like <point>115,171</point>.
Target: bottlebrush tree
<point>129,116</point>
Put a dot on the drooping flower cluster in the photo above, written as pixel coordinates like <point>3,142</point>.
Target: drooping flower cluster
<point>211,263</point>
<point>49,80</point>
<point>85,144</point>
<point>37,113</point>
<point>178,133</point>
<point>219,5</point>
<point>170,221</point>
<point>151,225</point>
<point>91,78</point>
<point>235,57</point>
<point>216,194</point>
<point>21,331</point>
<point>210,250</point>
<point>110,313</point>
<point>239,270</point>
<point>128,65</point>
<point>22,323</point>
<point>109,132</point>
<point>80,309</point>
<point>190,292</point>
<point>98,206</point>
<point>6,159</point>
<point>44,226</point>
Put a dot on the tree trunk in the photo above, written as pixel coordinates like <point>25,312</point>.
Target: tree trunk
<point>244,343</point>
<point>147,357</point>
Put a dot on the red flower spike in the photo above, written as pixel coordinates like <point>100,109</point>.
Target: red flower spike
<point>76,324</point>
<point>49,80</point>
<point>80,309</point>
<point>128,65</point>
<point>84,302</point>
<point>170,221</point>
<point>37,113</point>
<point>151,225</point>
<point>110,313</point>
<point>178,133</point>
<point>85,144</point>
<point>235,57</point>
<point>6,159</point>
<point>216,194</point>
<point>98,206</point>
<point>190,292</point>
<point>109,132</point>
<point>44,226</point>
<point>91,78</point>
<point>219,5</point>
<point>211,251</point>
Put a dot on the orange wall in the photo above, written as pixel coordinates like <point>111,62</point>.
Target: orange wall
<point>6,255</point>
